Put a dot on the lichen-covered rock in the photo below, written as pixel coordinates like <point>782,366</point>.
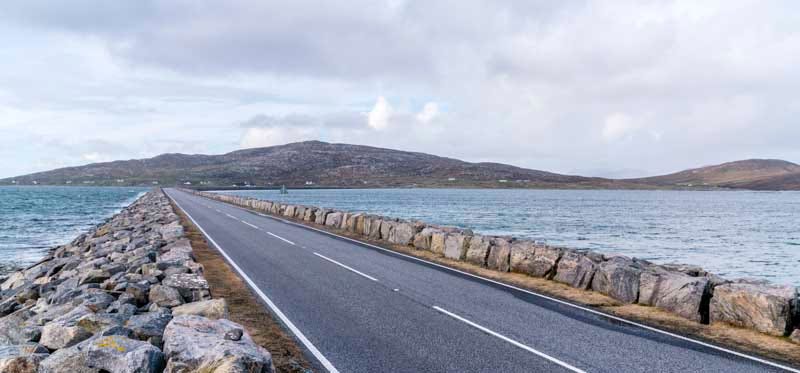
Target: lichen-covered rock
<point>387,228</point>
<point>403,233</point>
<point>534,259</point>
<point>193,287</point>
<point>755,304</point>
<point>165,296</point>
<point>575,269</point>
<point>478,250</point>
<point>149,326</point>
<point>172,231</point>
<point>64,330</point>
<point>422,240</point>
<point>437,242</point>
<point>500,255</point>
<point>455,245</point>
<point>334,219</point>
<point>213,309</point>
<point>322,216</point>
<point>618,278</point>
<point>23,358</point>
<point>175,254</point>
<point>119,354</point>
<point>198,344</point>
<point>675,292</point>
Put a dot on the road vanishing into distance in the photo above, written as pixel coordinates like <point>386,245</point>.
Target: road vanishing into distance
<point>359,308</point>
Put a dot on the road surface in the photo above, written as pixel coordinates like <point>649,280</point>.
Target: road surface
<point>359,308</point>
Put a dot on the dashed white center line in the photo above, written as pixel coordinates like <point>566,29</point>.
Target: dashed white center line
<point>250,224</point>
<point>232,217</point>
<point>509,340</point>
<point>346,267</point>
<point>280,238</point>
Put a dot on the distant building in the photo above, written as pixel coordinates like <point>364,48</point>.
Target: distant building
<point>187,183</point>
<point>502,181</point>
<point>69,181</point>
<point>35,182</point>
<point>13,181</point>
<point>120,180</point>
<point>155,183</point>
<point>309,183</point>
<point>451,179</point>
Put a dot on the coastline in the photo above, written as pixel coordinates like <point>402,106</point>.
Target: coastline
<point>127,295</point>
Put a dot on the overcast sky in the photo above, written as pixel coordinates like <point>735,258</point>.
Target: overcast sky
<point>607,88</point>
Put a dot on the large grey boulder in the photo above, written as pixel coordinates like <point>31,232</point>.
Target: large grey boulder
<point>119,354</point>
<point>455,245</point>
<point>22,358</point>
<point>438,242</point>
<point>165,296</point>
<point>675,292</point>
<point>422,240</point>
<point>478,250</point>
<point>795,337</point>
<point>322,216</point>
<point>500,255</point>
<point>175,254</point>
<point>192,286</point>
<point>149,326</point>
<point>403,233</point>
<point>171,232</point>
<point>758,305</point>
<point>64,331</point>
<point>575,269</point>
<point>198,344</point>
<point>618,278</point>
<point>213,309</point>
<point>534,259</point>
<point>333,219</point>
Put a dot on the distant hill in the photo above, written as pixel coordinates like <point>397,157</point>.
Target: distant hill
<point>320,164</point>
<point>772,174</point>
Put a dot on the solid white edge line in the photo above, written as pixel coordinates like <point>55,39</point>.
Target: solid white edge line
<point>310,346</point>
<point>346,267</point>
<point>509,340</point>
<point>616,318</point>
<point>279,237</point>
<point>250,224</point>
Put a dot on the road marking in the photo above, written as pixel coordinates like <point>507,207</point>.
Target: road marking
<point>250,224</point>
<point>346,267</point>
<point>310,346</point>
<point>232,217</point>
<point>599,313</point>
<point>279,237</point>
<point>509,340</point>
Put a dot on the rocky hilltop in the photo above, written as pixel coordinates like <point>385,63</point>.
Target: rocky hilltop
<point>758,174</point>
<point>126,297</point>
<point>320,164</point>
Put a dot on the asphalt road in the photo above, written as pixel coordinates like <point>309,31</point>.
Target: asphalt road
<point>358,308</point>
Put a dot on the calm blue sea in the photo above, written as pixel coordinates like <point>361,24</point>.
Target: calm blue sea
<point>34,219</point>
<point>735,234</point>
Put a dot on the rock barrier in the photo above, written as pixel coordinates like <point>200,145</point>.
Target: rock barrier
<point>684,290</point>
<point>127,296</point>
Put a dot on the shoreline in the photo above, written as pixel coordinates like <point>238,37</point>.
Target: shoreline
<point>124,296</point>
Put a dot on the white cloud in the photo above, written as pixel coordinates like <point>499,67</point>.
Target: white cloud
<point>92,157</point>
<point>678,83</point>
<point>378,118</point>
<point>619,126</point>
<point>429,112</point>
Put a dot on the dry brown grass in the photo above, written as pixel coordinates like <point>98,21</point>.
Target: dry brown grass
<point>245,308</point>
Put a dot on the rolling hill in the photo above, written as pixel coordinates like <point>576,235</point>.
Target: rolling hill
<point>320,164</point>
